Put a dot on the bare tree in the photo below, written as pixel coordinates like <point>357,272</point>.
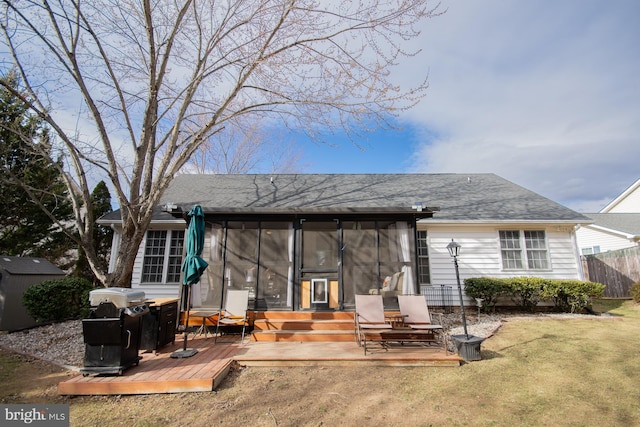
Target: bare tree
<point>131,88</point>
<point>239,149</point>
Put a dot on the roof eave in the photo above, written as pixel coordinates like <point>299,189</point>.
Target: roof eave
<point>503,221</point>
<point>620,233</point>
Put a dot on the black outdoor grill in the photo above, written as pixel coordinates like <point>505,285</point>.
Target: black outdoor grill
<point>113,329</point>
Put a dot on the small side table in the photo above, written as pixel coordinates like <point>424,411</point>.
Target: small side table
<point>204,315</point>
<point>395,320</point>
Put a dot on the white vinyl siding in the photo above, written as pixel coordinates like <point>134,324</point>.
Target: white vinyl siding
<point>480,254</point>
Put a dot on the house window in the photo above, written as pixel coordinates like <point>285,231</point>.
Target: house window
<point>591,250</point>
<point>424,276</point>
<point>163,256</point>
<point>520,248</point>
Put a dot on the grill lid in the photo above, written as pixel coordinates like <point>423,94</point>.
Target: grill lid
<point>120,297</point>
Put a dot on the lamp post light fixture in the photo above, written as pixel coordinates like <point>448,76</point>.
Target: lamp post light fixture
<point>454,250</point>
<point>468,345</point>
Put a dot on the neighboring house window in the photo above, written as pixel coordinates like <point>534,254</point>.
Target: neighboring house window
<point>424,276</point>
<point>163,256</point>
<point>524,248</point>
<point>591,250</point>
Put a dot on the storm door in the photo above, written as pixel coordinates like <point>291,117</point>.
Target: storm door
<point>319,286</point>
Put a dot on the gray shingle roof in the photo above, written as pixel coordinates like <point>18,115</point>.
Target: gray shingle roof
<point>625,222</point>
<point>460,197</point>
<point>159,216</point>
<point>27,265</point>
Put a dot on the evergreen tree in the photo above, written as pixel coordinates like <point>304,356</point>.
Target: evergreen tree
<point>30,180</point>
<point>101,199</point>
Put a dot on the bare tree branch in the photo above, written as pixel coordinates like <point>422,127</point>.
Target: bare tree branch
<point>158,78</point>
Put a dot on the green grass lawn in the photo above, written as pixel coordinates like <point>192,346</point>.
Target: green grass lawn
<point>570,372</point>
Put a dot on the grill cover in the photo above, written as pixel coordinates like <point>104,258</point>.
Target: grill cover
<point>120,297</point>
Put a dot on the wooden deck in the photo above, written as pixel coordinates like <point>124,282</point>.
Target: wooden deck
<point>159,373</point>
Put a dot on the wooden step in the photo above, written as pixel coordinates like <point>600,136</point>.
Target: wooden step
<point>273,326</point>
<point>303,336</point>
<point>305,315</point>
<point>302,325</point>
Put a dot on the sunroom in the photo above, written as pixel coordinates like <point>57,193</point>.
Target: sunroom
<point>308,262</point>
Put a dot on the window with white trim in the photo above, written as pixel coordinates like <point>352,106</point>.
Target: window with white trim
<point>591,250</point>
<point>520,248</point>
<point>424,276</point>
<point>163,256</point>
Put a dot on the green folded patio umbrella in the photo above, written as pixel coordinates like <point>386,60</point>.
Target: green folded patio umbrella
<point>193,267</point>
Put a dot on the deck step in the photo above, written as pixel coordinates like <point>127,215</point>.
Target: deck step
<point>273,326</point>
<point>302,325</point>
<point>303,336</point>
<point>305,315</point>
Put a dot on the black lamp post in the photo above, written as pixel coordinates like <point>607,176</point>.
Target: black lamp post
<point>468,345</point>
<point>454,250</point>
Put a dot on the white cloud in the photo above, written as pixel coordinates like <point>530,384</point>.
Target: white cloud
<point>542,93</point>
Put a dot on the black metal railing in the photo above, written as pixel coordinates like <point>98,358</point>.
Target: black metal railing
<point>439,296</point>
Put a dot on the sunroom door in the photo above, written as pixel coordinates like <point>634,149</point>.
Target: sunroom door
<point>319,284</point>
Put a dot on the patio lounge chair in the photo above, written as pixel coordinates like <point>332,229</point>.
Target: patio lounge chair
<point>369,319</point>
<point>235,311</point>
<point>416,316</point>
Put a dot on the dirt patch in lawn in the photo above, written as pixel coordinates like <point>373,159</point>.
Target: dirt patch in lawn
<point>259,396</point>
<point>26,379</point>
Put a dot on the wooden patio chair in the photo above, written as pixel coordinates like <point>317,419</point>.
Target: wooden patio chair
<point>369,319</point>
<point>235,311</point>
<point>416,316</point>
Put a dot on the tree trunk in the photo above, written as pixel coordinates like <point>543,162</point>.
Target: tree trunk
<point>132,237</point>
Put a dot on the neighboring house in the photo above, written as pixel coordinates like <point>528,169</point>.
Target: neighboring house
<point>312,242</point>
<point>17,274</point>
<point>616,226</point>
<point>627,202</point>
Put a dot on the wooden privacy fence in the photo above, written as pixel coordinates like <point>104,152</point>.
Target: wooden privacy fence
<point>617,270</point>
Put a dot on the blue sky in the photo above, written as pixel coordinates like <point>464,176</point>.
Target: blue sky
<point>545,94</point>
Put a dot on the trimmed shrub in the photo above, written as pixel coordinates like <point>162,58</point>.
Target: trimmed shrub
<point>526,292</point>
<point>572,295</point>
<point>635,292</point>
<point>487,288</point>
<point>57,300</point>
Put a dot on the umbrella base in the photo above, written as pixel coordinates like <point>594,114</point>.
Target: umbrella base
<point>468,346</point>
<point>182,354</point>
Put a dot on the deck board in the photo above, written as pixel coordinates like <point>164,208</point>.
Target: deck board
<point>159,373</point>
